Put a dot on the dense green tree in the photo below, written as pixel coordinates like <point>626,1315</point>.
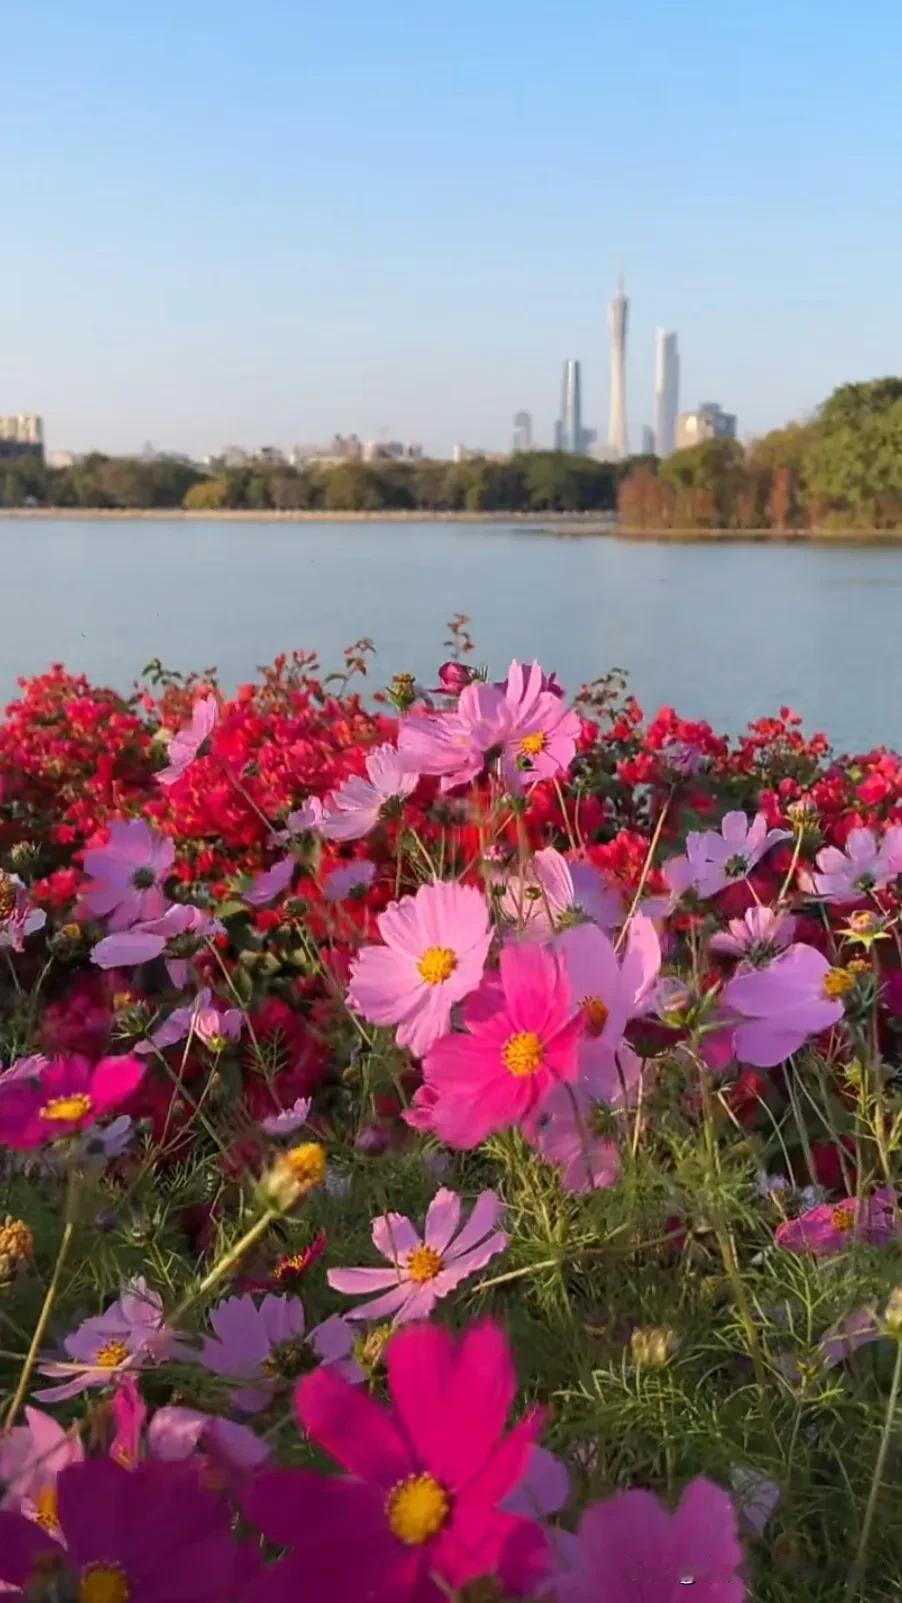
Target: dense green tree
<point>352,487</point>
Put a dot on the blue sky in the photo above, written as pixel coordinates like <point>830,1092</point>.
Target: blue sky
<point>260,224</point>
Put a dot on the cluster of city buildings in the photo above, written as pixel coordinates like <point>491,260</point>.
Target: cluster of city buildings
<point>672,428</point>
<point>22,434</point>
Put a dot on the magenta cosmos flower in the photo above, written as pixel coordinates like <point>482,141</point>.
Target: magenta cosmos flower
<point>424,1270</point>
<point>424,1483</point>
<point>127,874</point>
<point>833,1226</point>
<point>868,863</point>
<point>148,1535</point>
<point>130,1334</point>
<point>356,807</point>
<point>521,1042</point>
<point>32,1456</point>
<point>556,891</point>
<point>185,745</point>
<point>715,859</point>
<point>609,991</point>
<point>760,934</point>
<point>212,1025</point>
<point>632,1550</point>
<point>264,1344</point>
<point>796,996</point>
<point>65,1096</point>
<point>436,944</point>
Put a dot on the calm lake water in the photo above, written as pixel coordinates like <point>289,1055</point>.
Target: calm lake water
<point>724,632</point>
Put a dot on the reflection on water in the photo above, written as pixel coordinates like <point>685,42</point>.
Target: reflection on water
<point>724,631</point>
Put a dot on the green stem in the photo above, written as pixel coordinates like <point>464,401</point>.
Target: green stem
<point>857,1570</point>
<point>225,1264</point>
<point>40,1329</point>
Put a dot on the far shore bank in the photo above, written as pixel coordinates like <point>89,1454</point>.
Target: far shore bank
<point>564,524</point>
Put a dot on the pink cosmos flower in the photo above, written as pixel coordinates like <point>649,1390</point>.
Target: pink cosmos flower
<point>609,991</point>
<point>127,874</point>
<point>289,1119</point>
<point>544,731</point>
<point>185,745</point>
<point>347,879</point>
<point>66,1095</point>
<point>453,677</point>
<point>557,891</point>
<point>521,1042</point>
<point>179,929</point>
<point>859,1329</point>
<point>568,1137</point>
<point>833,1226</point>
<point>149,1535</point>
<point>271,883</point>
<point>782,1005</point>
<point>31,1457</point>
<point>867,864</point>
<point>229,1450</point>
<point>436,944</point>
<point>130,1334</point>
<point>304,820</point>
<point>760,934</point>
<point>24,919</point>
<point>715,859</point>
<point>265,1343</point>
<point>356,806</point>
<point>424,1270</point>
<point>632,1550</point>
<point>543,1490</point>
<point>213,1026</point>
<point>424,1482</point>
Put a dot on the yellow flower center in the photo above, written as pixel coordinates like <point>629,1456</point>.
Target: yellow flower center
<point>523,1053</point>
<point>103,1583</point>
<point>417,1509</point>
<point>46,1509</point>
<point>16,1241</point>
<point>843,1216</point>
<point>306,1164</point>
<point>111,1355</point>
<point>424,1264</point>
<point>595,1014</point>
<point>437,964</point>
<point>7,897</point>
<point>66,1108</point>
<point>837,983</point>
<point>533,744</point>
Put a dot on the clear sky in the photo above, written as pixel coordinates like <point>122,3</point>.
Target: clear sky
<point>261,223</point>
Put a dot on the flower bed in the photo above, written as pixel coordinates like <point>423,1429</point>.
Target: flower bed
<point>450,1149</point>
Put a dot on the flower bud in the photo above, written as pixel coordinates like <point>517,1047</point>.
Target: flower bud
<point>453,677</point>
<point>652,1346</point>
<point>16,1245</point>
<point>893,1313</point>
<point>296,1172</point>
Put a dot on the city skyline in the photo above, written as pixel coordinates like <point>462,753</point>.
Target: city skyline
<point>271,227</point>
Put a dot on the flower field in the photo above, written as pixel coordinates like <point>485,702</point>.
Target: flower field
<point>451,1146</point>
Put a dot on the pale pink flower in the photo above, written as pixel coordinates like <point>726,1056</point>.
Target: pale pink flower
<point>200,1018</point>
<point>260,1344</point>
<point>356,806</point>
<point>347,879</point>
<point>131,1333</point>
<point>859,1329</point>
<point>544,731</point>
<point>609,990</point>
<point>782,1005</point>
<point>186,743</point>
<point>305,820</point>
<point>271,883</point>
<point>423,1270</point>
<point>436,944</point>
<point>868,863</point>
<point>567,1137</point>
<point>760,934</point>
<point>231,1449</point>
<point>556,891</point>
<point>127,874</point>
<point>31,1457</point>
<point>25,919</point>
<point>289,1119</point>
<point>715,859</point>
<point>755,1497</point>
<point>179,929</point>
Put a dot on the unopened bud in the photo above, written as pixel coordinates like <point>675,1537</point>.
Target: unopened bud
<point>16,1245</point>
<point>652,1346</point>
<point>296,1172</point>
<point>893,1313</point>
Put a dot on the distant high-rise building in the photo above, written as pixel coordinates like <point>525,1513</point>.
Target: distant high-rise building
<point>708,422</point>
<point>667,390</point>
<point>618,432</point>
<point>647,437</point>
<point>21,435</point>
<point>569,432</point>
<point>522,431</point>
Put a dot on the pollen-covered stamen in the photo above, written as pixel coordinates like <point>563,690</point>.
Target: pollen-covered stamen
<point>837,983</point>
<point>46,1509</point>
<point>103,1583</point>
<point>737,867</point>
<point>111,1355</point>
<point>424,1264</point>
<point>289,1359</point>
<point>63,1109</point>
<point>532,745</point>
<point>595,1015</point>
<point>417,1508</point>
<point>523,1053</point>
<point>7,897</point>
<point>437,964</point>
<point>843,1216</point>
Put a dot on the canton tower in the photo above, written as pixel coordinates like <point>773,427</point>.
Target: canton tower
<point>618,433</point>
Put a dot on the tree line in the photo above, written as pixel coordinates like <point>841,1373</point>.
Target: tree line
<point>843,470</point>
<point>535,481</point>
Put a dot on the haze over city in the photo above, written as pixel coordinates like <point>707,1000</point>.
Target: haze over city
<point>269,226</point>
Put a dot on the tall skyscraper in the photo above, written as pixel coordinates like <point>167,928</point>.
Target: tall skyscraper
<point>569,432</point>
<point>647,437</point>
<point>522,431</point>
<point>618,433</point>
<point>667,390</point>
